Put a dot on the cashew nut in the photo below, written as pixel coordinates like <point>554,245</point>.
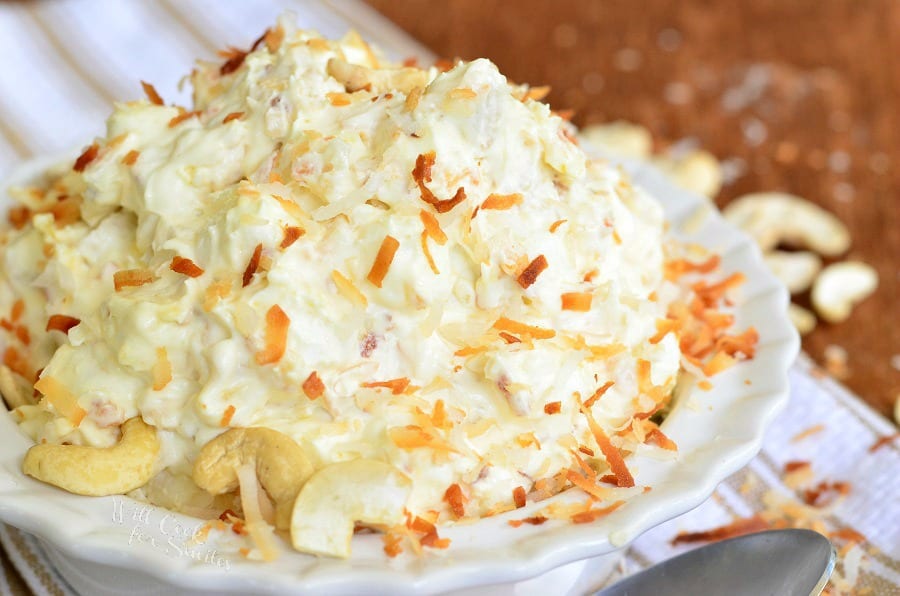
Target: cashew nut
<point>98,471</point>
<point>803,320</point>
<point>280,463</point>
<point>840,286</point>
<point>11,390</point>
<point>377,80</point>
<point>774,217</point>
<point>620,138</point>
<point>796,270</point>
<point>337,496</point>
<point>698,171</point>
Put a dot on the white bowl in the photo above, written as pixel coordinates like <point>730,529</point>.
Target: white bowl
<point>717,432</point>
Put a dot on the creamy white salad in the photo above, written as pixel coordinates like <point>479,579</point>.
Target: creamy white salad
<point>415,266</point>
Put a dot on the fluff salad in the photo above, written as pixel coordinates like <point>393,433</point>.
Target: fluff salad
<point>305,155</point>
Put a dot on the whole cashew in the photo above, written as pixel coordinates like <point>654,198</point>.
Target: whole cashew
<point>698,171</point>
<point>341,494</point>
<point>803,320</point>
<point>774,217</point>
<point>377,80</point>
<point>840,286</point>
<point>619,138</point>
<point>796,270</point>
<point>10,390</point>
<point>98,471</point>
<point>281,466</point>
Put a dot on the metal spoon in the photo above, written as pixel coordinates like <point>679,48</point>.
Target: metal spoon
<point>776,562</point>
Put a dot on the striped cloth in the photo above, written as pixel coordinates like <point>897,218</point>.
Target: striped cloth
<point>65,61</point>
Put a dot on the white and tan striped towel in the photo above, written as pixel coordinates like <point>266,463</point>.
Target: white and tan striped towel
<point>65,61</point>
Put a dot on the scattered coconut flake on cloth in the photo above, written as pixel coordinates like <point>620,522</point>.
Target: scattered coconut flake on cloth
<point>841,459</point>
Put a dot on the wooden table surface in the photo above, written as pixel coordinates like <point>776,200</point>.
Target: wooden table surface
<point>798,95</point>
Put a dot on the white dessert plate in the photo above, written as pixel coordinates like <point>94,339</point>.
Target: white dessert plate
<point>717,431</point>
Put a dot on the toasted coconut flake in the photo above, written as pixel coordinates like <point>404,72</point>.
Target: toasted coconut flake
<point>519,496</point>
<point>346,287</point>
<point>577,301</point>
<point>587,485</point>
<point>532,271</point>
<point>273,38</point>
<point>744,344</point>
<point>65,212</point>
<point>502,202</point>
<point>232,116</point>
<point>61,323</point>
<point>882,441</point>
<point>128,278</point>
<point>86,157</point>
<point>18,309</point>
<point>313,386</point>
<point>422,173</point>
<point>719,362</point>
<point>462,93</point>
<point>678,267</point>
<point>215,292</point>
<point>162,370</point>
<point>849,535</point>
<point>291,234</point>
<point>338,99</point>
<point>181,118</point>
<point>555,225</point>
<point>527,439</point>
<point>470,351</point>
<point>235,58</point>
<point>553,407</point>
<point>825,493</point>
<point>511,326</point>
<point>392,543</point>
<point>383,260</point>
<point>586,517</point>
<point>795,465</point>
<point>227,415</point>
<point>508,338</point>
<point>808,432</point>
<point>22,335</point>
<point>663,328</point>
<point>534,521</point>
<point>433,227</point>
<point>61,399</point>
<point>412,98</point>
<point>710,295</point>
<point>16,362</point>
<point>658,438</point>
<point>252,266</point>
<point>598,394</point>
<point>131,157</point>
<point>19,217</point>
<point>277,323</point>
<point>415,437</point>
<point>738,527</point>
<point>455,498</point>
<point>152,95</point>
<point>397,386</point>
<point>185,267</point>
<point>423,240</point>
<point>612,455</point>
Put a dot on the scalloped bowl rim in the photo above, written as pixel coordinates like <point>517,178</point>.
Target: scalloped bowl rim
<point>735,412</point>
